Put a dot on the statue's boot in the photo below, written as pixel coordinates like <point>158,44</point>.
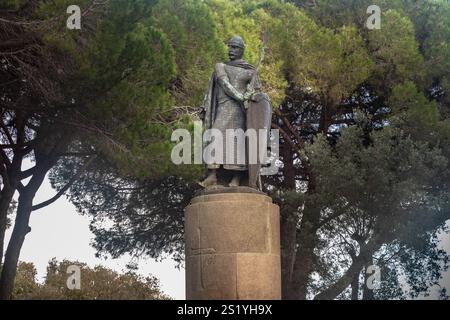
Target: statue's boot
<point>211,180</point>
<point>235,181</point>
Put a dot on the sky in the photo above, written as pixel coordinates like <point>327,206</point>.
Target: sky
<point>58,231</point>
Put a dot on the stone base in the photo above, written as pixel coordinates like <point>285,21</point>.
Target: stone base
<point>232,247</point>
<point>224,189</point>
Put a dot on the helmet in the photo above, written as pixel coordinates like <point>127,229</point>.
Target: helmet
<point>237,41</point>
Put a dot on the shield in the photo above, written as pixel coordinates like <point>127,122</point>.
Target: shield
<point>259,116</point>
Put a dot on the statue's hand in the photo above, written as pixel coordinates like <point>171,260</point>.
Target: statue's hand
<point>248,95</point>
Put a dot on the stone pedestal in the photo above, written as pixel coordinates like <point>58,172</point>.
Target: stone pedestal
<point>232,247</point>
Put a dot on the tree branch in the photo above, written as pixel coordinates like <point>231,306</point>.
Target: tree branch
<point>64,189</point>
<point>288,139</point>
<point>335,289</point>
<point>27,173</point>
<point>17,146</point>
<point>7,133</point>
<point>5,158</point>
<point>290,127</point>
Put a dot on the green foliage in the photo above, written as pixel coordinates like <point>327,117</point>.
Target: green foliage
<point>414,112</point>
<point>251,20</point>
<point>335,14</point>
<point>25,283</point>
<point>55,32</point>
<point>120,82</point>
<point>190,28</point>
<point>395,49</point>
<point>389,171</point>
<point>317,59</point>
<point>98,283</point>
<point>379,185</point>
<point>135,76</point>
<point>431,21</point>
<point>14,4</point>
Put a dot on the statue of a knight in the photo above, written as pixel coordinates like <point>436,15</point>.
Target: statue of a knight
<point>234,101</point>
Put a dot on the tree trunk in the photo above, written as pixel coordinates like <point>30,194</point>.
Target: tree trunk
<point>21,228</point>
<point>288,224</point>
<point>297,288</point>
<point>305,243</point>
<point>304,257</point>
<point>5,201</point>
<point>367,293</point>
<point>355,287</point>
<point>11,178</point>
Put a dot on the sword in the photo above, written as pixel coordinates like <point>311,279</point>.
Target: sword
<point>261,55</point>
<point>251,85</point>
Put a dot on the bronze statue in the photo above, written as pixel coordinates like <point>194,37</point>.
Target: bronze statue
<point>234,101</point>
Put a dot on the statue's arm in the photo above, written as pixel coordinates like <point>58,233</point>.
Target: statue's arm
<point>224,82</point>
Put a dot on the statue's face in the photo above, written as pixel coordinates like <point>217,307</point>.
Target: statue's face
<point>235,52</point>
